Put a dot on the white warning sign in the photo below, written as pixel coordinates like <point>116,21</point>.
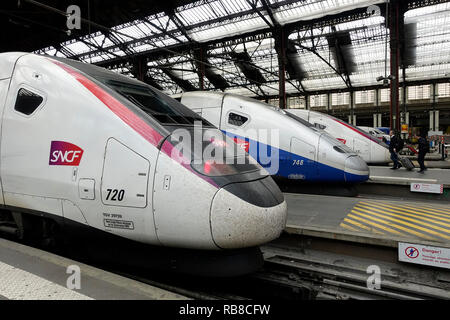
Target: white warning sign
<point>426,255</point>
<point>427,187</point>
<point>118,224</point>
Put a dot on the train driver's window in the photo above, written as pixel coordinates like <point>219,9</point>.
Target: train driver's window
<point>27,102</point>
<point>236,119</point>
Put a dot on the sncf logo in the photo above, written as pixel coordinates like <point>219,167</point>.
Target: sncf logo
<point>64,154</point>
<point>242,143</point>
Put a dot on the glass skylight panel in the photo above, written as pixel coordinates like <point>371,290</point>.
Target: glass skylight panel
<point>235,6</point>
<point>334,82</point>
<point>218,8</point>
<point>77,47</point>
<point>99,39</point>
<point>432,42</point>
<point>143,47</point>
<point>314,66</point>
<point>312,9</point>
<point>428,72</point>
<point>427,10</point>
<point>51,51</point>
<point>289,87</point>
<point>133,31</point>
<point>360,23</point>
<point>240,91</point>
<point>244,24</point>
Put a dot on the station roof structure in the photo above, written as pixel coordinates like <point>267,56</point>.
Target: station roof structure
<point>235,45</point>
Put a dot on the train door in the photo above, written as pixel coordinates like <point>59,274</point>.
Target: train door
<point>304,158</point>
<point>124,190</point>
<point>3,91</point>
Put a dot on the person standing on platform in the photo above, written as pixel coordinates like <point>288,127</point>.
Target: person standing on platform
<point>395,146</point>
<point>424,148</point>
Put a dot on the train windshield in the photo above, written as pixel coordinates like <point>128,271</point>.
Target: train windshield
<point>298,119</point>
<point>164,109</point>
<point>210,152</point>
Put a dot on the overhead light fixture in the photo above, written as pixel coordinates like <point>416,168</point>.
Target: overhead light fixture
<point>385,79</point>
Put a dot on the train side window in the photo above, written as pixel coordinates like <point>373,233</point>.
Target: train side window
<point>236,119</point>
<point>27,102</point>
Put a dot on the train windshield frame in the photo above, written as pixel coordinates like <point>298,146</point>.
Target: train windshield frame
<point>165,110</point>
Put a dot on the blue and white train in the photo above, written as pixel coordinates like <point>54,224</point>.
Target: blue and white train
<point>301,152</point>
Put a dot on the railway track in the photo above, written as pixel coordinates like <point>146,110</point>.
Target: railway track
<point>297,274</point>
<point>330,281</point>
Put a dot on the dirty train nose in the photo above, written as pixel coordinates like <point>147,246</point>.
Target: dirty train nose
<point>247,214</point>
<point>356,169</point>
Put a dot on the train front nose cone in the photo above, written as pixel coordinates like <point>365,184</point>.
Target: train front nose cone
<point>387,155</point>
<point>248,214</point>
<point>356,170</point>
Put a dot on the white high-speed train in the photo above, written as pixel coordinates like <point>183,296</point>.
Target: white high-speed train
<point>371,149</point>
<point>300,152</point>
<point>84,146</point>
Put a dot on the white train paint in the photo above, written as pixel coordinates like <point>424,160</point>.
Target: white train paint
<point>304,153</point>
<point>371,149</point>
<point>88,155</point>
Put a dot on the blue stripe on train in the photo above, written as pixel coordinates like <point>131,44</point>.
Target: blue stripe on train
<point>294,166</point>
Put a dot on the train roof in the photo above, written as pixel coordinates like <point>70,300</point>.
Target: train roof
<point>7,62</point>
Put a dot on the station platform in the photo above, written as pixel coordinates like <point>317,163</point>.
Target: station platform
<point>384,175</point>
<point>27,273</point>
<point>366,220</point>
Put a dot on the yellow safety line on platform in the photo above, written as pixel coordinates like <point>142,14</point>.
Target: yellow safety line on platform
<point>408,207</point>
<point>443,211</point>
<point>403,214</point>
<point>401,210</point>
<point>343,225</point>
<point>440,212</point>
<point>402,222</point>
<point>360,225</point>
<point>375,224</point>
<point>416,233</point>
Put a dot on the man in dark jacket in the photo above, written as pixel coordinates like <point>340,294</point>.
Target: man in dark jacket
<point>424,148</point>
<point>395,146</point>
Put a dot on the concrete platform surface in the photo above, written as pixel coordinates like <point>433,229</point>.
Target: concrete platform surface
<point>31,274</point>
<point>379,222</point>
<point>402,176</point>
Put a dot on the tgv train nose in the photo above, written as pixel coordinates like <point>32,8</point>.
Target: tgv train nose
<point>247,214</point>
<point>387,155</point>
<point>356,170</point>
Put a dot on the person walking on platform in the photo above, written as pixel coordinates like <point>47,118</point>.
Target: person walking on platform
<point>424,148</point>
<point>395,146</point>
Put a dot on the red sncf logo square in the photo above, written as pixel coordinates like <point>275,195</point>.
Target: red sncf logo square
<point>64,154</point>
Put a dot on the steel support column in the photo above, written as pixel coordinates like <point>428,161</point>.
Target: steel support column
<point>281,34</point>
<point>139,69</point>
<point>200,55</point>
<point>394,24</point>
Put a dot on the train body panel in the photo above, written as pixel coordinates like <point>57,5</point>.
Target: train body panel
<point>84,144</point>
<point>367,147</point>
<point>43,187</point>
<point>301,152</point>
